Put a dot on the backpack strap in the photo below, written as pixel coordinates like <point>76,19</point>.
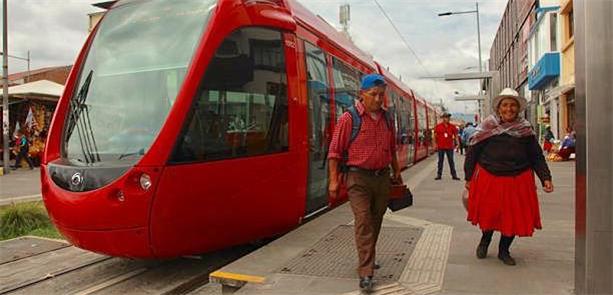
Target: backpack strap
<point>356,123</point>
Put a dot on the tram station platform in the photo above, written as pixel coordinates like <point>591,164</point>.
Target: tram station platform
<point>427,248</point>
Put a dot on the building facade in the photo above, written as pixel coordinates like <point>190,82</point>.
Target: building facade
<point>55,74</point>
<point>567,91</point>
<point>509,51</point>
<point>544,65</point>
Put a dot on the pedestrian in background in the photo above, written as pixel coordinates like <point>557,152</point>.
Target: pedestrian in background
<point>548,139</point>
<point>446,135</point>
<point>501,160</point>
<point>568,144</point>
<point>469,130</point>
<point>461,144</point>
<point>368,157</point>
<point>23,150</point>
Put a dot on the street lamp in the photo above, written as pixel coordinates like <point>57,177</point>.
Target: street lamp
<point>476,11</point>
<point>5,90</point>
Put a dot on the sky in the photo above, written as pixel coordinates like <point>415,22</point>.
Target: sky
<point>54,31</point>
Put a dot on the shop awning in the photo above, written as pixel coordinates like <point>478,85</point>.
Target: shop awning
<point>557,91</point>
<point>42,89</point>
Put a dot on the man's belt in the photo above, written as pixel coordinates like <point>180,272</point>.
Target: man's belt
<point>371,172</point>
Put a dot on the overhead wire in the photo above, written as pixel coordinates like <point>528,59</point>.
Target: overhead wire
<point>406,43</point>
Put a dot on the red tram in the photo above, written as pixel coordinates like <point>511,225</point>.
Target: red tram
<point>191,125</point>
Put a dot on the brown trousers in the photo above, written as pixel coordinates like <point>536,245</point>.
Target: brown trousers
<point>368,196</point>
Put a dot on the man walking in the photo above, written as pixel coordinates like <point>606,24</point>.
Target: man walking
<point>367,154</point>
<point>24,149</point>
<point>446,135</point>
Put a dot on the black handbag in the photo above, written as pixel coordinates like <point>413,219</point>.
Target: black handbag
<point>404,201</point>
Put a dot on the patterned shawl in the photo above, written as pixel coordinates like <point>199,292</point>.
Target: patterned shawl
<point>493,125</point>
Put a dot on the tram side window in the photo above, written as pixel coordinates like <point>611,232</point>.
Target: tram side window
<point>394,110</point>
<point>240,108</point>
<point>346,85</point>
<point>403,129</point>
<point>411,121</point>
<point>431,124</point>
<point>423,132</point>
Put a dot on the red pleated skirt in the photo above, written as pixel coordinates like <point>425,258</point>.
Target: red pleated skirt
<point>508,204</point>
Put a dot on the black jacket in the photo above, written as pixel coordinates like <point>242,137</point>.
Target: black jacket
<point>505,155</point>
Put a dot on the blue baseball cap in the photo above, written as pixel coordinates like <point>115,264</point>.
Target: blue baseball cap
<point>372,80</point>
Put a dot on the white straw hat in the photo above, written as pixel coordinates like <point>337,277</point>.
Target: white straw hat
<point>509,93</point>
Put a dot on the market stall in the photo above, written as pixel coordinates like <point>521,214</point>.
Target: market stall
<point>31,108</point>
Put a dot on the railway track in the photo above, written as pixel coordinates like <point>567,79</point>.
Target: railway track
<point>30,265</point>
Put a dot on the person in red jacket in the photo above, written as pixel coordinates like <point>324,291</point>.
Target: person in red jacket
<point>446,135</point>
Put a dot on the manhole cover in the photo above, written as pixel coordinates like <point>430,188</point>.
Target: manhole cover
<point>335,254</point>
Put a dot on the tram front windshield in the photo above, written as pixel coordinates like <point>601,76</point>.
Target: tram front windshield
<point>132,73</point>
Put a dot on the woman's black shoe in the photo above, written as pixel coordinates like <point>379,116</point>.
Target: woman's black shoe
<point>366,284</point>
<point>481,251</point>
<point>506,258</point>
<point>486,238</point>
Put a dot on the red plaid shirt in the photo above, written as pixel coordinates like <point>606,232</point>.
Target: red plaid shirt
<point>371,149</point>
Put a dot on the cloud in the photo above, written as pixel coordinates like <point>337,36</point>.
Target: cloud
<point>52,30</point>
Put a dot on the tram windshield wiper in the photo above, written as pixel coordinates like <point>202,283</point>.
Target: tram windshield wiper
<point>139,153</point>
<point>83,123</point>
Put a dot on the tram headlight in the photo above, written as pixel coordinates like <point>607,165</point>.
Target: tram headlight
<point>145,181</point>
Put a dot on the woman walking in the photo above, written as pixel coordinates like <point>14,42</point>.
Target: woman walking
<point>501,160</point>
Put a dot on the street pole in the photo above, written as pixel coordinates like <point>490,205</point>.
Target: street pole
<point>478,38</point>
<point>476,11</point>
<point>480,62</point>
<point>5,90</point>
<point>28,79</point>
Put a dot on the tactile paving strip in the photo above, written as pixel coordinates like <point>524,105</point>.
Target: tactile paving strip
<point>335,255</point>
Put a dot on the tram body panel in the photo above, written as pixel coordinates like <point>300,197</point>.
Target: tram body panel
<point>113,220</point>
<point>205,207</point>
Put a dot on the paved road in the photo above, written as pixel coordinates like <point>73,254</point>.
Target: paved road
<point>20,184</point>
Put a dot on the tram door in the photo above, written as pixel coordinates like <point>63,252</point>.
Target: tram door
<point>318,124</point>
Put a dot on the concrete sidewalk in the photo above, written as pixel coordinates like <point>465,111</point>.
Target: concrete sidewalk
<point>545,262</point>
<point>442,261</point>
<point>20,185</point>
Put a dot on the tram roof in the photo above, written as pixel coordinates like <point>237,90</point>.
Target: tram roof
<point>392,78</point>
